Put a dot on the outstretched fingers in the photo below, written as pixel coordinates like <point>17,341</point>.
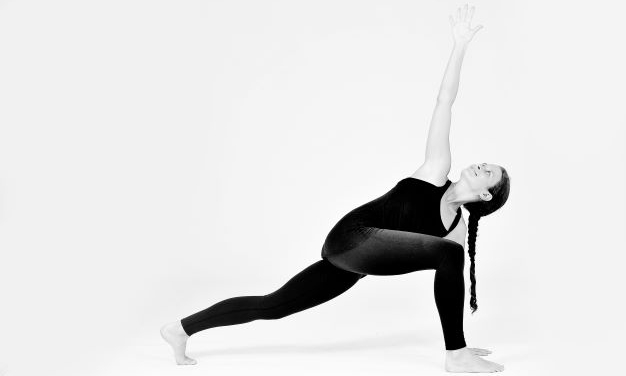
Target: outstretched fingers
<point>461,24</point>
<point>471,14</point>
<point>478,27</point>
<point>464,14</point>
<point>479,351</point>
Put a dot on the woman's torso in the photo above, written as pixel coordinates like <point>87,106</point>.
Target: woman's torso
<point>412,205</point>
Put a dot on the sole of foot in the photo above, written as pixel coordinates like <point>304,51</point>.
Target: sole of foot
<point>171,333</point>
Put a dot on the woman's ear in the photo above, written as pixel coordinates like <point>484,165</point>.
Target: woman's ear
<point>485,196</point>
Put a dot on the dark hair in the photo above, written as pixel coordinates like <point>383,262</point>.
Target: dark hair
<point>478,209</point>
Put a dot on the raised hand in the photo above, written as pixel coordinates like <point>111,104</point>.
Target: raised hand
<point>460,22</point>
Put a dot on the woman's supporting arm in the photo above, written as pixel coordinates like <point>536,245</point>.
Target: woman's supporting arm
<point>438,156</point>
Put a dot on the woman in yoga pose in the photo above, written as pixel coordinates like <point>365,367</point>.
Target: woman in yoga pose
<point>417,225</point>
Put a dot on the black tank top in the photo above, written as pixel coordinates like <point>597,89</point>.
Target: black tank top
<point>411,205</point>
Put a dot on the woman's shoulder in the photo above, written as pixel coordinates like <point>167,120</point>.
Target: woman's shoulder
<point>430,174</point>
<point>428,180</point>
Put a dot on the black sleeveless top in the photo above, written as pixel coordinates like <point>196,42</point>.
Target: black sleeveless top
<point>411,205</point>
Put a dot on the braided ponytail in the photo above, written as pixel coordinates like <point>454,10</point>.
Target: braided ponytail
<point>472,229</point>
<point>477,210</point>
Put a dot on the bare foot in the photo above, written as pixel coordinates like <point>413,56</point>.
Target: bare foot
<point>174,334</point>
<point>467,360</point>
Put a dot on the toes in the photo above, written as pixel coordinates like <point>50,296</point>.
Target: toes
<point>187,361</point>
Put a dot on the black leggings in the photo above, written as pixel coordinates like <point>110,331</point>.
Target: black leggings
<point>384,252</point>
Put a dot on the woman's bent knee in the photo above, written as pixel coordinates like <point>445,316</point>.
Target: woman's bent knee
<point>454,255</point>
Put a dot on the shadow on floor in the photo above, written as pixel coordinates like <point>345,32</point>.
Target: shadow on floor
<point>383,341</point>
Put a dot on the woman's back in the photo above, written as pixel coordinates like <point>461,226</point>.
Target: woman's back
<point>411,205</point>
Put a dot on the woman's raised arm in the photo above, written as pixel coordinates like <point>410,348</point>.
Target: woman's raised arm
<point>438,157</point>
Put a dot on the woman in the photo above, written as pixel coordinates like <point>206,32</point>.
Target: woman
<point>417,225</point>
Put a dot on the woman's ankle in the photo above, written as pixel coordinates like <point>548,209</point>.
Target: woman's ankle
<point>457,352</point>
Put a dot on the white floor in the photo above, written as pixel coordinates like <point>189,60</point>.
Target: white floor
<point>319,342</point>
<point>362,333</point>
<point>391,353</point>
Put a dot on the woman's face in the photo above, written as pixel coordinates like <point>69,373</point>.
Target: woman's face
<point>482,176</point>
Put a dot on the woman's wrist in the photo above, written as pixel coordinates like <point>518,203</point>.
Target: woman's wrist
<point>460,46</point>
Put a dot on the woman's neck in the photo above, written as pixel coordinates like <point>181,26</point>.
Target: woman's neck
<point>454,197</point>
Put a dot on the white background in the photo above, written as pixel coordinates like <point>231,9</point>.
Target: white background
<point>159,156</point>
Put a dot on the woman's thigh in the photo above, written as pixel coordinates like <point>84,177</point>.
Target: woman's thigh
<point>392,252</point>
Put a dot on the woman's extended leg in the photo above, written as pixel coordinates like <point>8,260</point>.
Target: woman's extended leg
<point>318,283</point>
<point>391,252</point>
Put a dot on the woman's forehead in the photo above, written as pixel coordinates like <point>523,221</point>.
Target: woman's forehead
<point>497,171</point>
